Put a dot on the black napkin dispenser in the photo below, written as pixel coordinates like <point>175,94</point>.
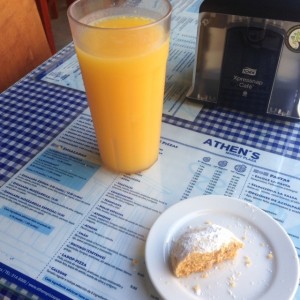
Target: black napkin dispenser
<point>248,56</point>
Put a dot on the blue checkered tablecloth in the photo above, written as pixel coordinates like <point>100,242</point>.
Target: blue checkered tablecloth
<point>264,133</point>
<point>11,291</point>
<point>33,112</point>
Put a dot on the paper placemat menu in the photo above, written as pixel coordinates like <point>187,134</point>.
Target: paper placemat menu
<point>69,224</point>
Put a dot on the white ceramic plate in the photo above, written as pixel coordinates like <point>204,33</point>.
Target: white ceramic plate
<point>266,268</point>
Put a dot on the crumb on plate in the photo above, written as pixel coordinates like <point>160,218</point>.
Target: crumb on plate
<point>197,289</point>
<point>248,261</point>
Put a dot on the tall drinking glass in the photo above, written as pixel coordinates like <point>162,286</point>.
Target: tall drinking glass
<point>122,48</point>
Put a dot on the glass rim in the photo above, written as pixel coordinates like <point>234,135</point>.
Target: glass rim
<point>164,17</point>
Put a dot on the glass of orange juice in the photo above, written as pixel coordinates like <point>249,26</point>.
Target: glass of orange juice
<point>122,48</point>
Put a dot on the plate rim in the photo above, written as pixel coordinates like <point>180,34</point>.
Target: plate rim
<point>184,207</point>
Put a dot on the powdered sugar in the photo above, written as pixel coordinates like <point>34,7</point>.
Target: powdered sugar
<point>205,239</point>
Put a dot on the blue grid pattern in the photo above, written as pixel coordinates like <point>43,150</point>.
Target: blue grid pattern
<point>11,291</point>
<point>264,133</point>
<point>33,112</point>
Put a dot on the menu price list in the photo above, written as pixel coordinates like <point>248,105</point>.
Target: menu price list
<point>277,194</point>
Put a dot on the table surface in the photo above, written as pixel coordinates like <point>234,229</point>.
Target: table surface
<point>34,112</point>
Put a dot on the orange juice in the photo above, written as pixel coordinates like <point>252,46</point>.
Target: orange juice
<point>124,76</point>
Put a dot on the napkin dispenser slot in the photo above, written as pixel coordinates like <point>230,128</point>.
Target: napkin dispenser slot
<point>248,56</point>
